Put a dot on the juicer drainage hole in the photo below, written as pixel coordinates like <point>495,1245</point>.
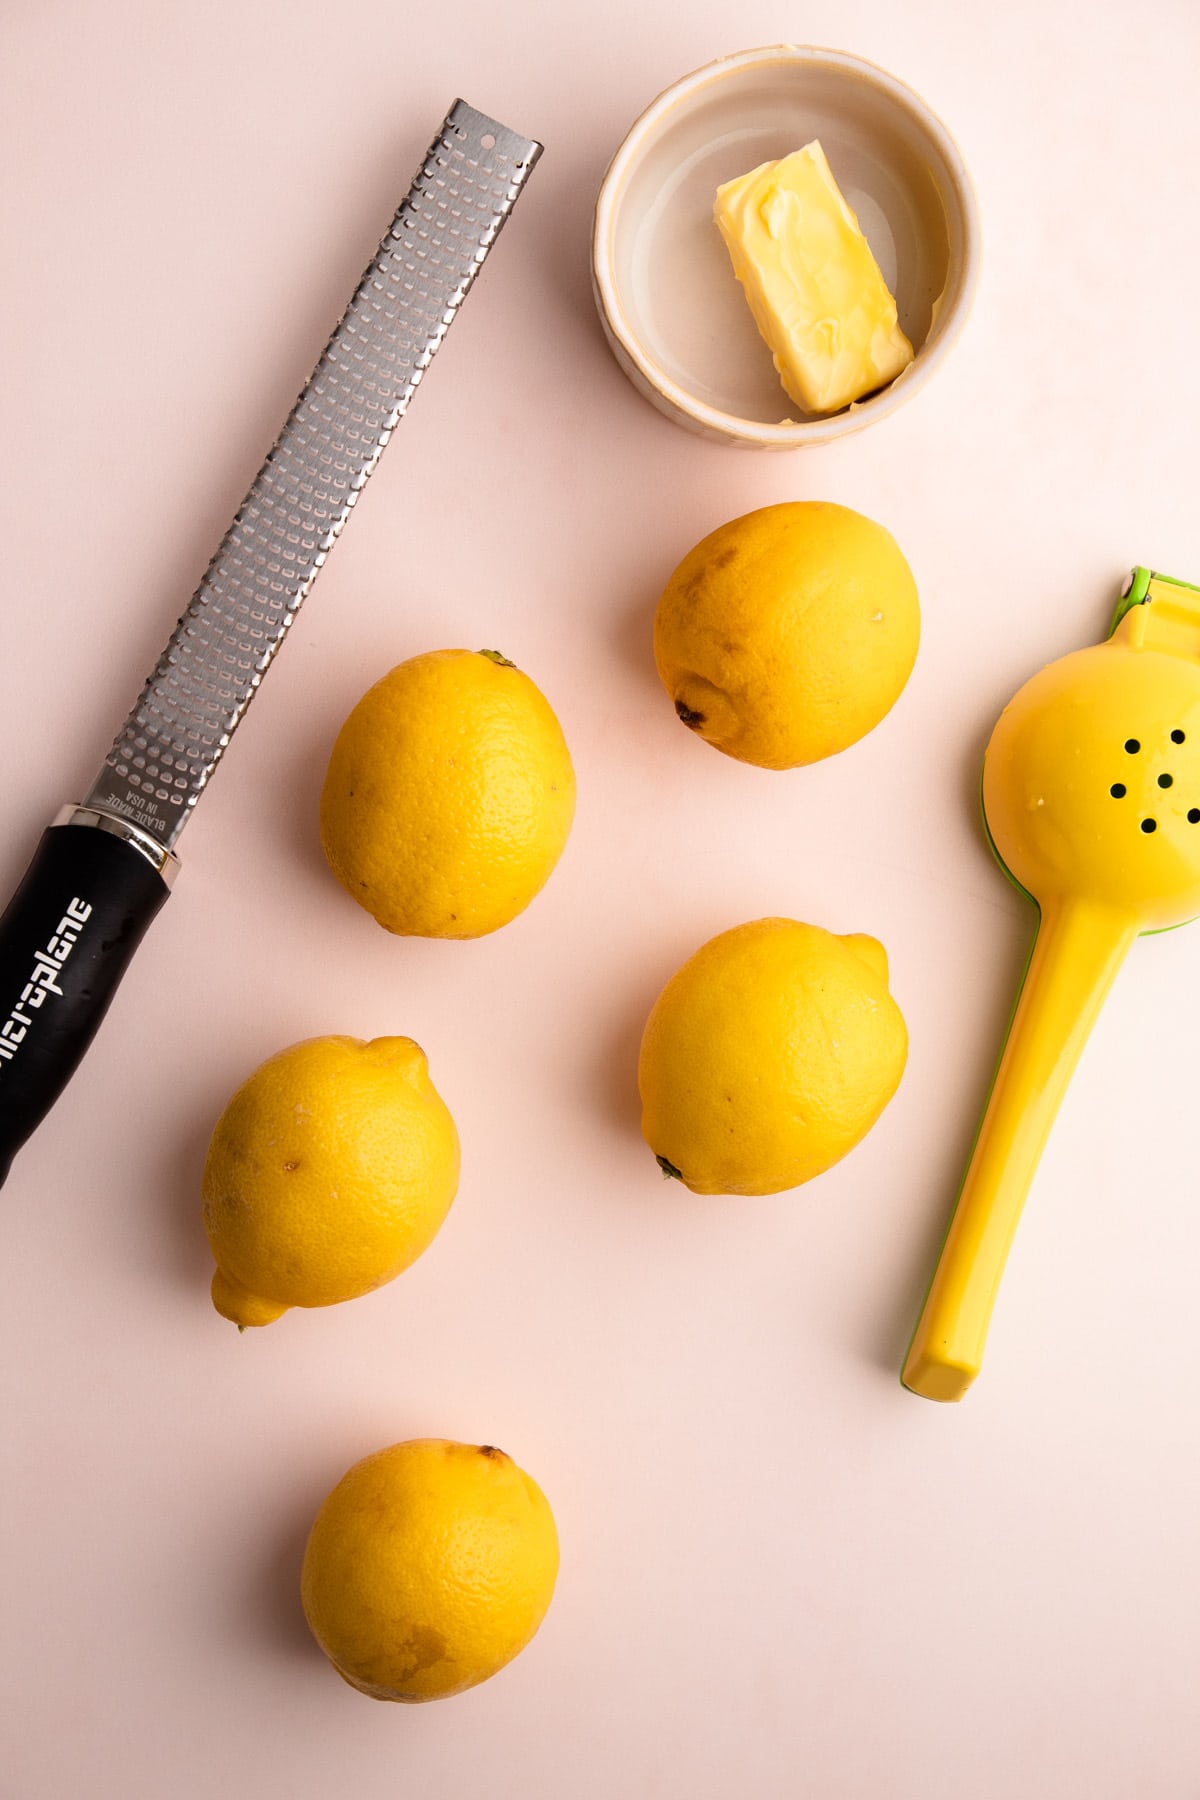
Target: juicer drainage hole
<point>1165,780</point>
<point>1149,824</point>
<point>1178,737</point>
<point>1117,790</point>
<point>1132,745</point>
<point>1194,815</point>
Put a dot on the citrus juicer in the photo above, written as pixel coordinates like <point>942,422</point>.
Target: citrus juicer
<point>1091,801</point>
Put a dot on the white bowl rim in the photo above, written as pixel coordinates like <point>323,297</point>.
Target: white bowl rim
<point>806,431</point>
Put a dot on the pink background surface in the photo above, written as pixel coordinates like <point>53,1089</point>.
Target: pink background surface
<point>781,1574</point>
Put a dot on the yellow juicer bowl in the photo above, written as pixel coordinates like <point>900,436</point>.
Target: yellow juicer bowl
<point>1091,797</point>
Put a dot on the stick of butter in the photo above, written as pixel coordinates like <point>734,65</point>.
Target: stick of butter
<point>818,298</point>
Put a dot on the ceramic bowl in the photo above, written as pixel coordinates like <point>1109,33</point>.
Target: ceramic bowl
<point>676,318</point>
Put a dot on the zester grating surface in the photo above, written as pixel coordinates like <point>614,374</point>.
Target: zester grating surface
<point>303,495</point>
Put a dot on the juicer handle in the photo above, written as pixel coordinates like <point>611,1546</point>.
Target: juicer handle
<point>1078,949</point>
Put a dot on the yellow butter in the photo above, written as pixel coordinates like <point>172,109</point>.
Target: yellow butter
<point>818,298</point>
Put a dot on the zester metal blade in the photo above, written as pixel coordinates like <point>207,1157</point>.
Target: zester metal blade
<point>220,650</point>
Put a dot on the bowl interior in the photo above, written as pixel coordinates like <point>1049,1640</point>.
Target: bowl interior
<point>672,273</point>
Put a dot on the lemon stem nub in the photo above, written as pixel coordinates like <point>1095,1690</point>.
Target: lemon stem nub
<point>505,662</point>
<point>237,1304</point>
<point>670,1172</point>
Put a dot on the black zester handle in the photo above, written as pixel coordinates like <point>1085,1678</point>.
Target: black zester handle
<point>65,941</point>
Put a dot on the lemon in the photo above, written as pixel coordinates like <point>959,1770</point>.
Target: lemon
<point>768,1056</point>
<point>449,795</point>
<point>329,1172</point>
<point>429,1567</point>
<point>787,634</point>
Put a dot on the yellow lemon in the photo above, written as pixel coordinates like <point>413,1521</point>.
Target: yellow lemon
<point>449,796</point>
<point>768,1056</point>
<point>787,634</point>
<point>429,1567</point>
<point>329,1172</point>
